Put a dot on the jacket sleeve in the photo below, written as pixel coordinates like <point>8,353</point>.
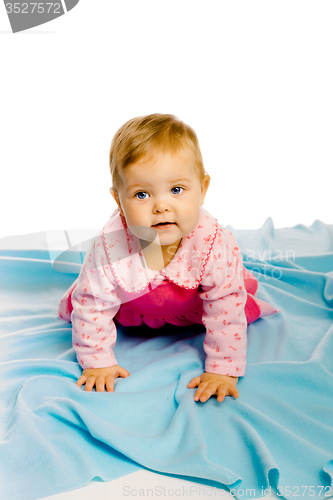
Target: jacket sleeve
<point>224,298</point>
<point>95,303</point>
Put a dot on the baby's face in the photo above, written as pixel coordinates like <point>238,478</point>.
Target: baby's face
<point>163,194</point>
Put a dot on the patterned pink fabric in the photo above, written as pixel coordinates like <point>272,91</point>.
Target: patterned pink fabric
<point>204,283</point>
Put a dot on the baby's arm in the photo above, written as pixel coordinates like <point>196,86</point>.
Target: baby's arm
<point>224,298</point>
<point>95,303</point>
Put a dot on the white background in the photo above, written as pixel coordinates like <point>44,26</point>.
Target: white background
<point>253,78</point>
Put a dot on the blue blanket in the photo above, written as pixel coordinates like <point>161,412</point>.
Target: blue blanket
<point>279,433</point>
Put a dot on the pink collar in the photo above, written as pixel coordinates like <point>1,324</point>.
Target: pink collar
<point>128,264</point>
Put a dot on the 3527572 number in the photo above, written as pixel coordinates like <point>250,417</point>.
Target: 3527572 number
<point>33,7</point>
<point>304,491</point>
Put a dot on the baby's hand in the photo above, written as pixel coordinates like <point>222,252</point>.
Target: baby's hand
<point>214,384</point>
<point>101,378</point>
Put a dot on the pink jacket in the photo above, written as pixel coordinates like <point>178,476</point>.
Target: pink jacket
<point>204,283</point>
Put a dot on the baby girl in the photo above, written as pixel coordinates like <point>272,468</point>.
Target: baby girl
<point>162,258</point>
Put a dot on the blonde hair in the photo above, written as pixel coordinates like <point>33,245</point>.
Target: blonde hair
<point>139,138</point>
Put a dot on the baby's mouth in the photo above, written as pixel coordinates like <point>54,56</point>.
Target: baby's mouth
<point>163,224</point>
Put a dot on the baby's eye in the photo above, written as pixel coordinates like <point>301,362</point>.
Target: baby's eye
<point>139,195</point>
<point>177,190</point>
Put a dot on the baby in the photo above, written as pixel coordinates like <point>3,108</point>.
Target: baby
<point>162,258</point>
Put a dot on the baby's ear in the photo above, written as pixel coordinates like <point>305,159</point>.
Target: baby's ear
<point>204,186</point>
<point>114,194</point>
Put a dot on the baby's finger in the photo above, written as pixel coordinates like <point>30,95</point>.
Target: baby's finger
<point>123,372</point>
<point>100,383</point>
<point>232,391</point>
<point>109,382</point>
<point>222,391</point>
<point>80,381</point>
<point>194,382</point>
<point>90,382</point>
<point>200,390</point>
<point>209,390</point>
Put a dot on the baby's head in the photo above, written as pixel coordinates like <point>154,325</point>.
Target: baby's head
<point>158,175</point>
<point>142,137</point>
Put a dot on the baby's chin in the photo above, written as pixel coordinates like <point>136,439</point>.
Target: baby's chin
<point>145,233</point>
<point>163,242</point>
<point>148,235</point>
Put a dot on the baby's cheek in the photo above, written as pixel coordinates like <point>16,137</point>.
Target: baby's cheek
<point>191,213</point>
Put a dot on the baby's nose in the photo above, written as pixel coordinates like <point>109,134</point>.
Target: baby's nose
<point>160,206</point>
